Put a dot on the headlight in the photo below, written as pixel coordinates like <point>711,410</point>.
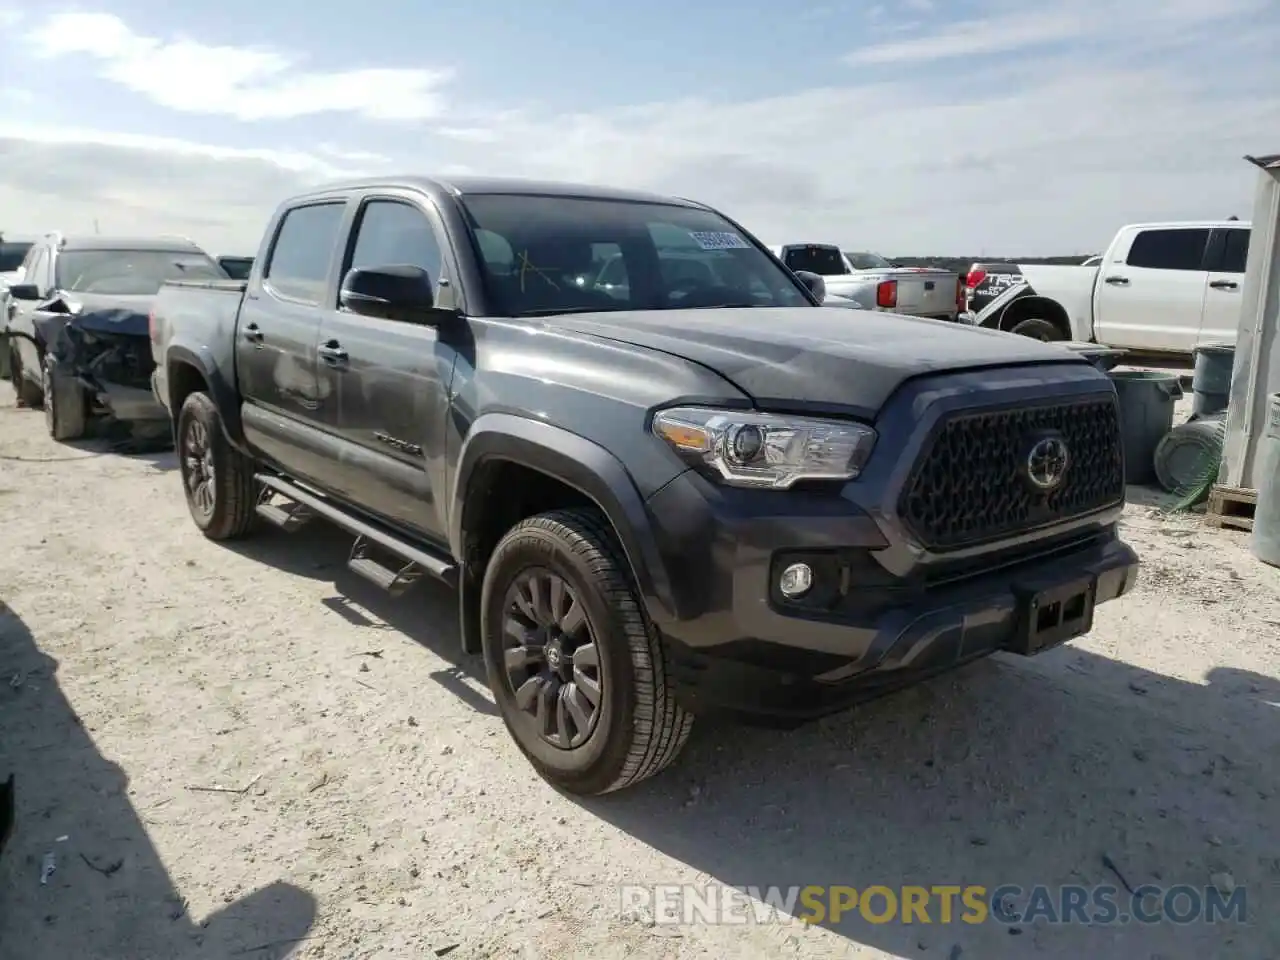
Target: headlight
<point>751,449</point>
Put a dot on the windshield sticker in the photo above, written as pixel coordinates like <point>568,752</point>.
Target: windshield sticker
<point>714,240</point>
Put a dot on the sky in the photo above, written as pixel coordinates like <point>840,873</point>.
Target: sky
<point>907,127</point>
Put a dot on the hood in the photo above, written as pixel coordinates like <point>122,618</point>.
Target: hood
<point>836,359</point>
<point>98,313</point>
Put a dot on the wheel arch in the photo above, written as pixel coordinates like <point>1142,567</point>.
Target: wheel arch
<point>585,474</point>
<point>188,371</point>
<point>1035,307</point>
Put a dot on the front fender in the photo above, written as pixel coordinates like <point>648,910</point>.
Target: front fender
<point>579,463</point>
<point>221,389</point>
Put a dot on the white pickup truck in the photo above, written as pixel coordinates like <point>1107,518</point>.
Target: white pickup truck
<point>875,283</point>
<point>1158,288</point>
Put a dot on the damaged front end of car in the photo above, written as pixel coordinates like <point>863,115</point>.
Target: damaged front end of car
<point>101,358</point>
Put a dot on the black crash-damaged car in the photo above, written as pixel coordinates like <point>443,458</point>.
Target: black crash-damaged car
<point>78,332</point>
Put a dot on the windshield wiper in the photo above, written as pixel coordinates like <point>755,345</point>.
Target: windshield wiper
<point>557,311</point>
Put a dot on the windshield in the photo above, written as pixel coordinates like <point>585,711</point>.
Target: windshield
<point>545,255</point>
<point>868,261</point>
<point>822,259</point>
<point>130,272</point>
<point>12,255</point>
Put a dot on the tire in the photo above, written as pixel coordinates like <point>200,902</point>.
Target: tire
<point>29,395</point>
<point>638,727</point>
<point>66,411</point>
<point>225,508</point>
<point>1038,330</point>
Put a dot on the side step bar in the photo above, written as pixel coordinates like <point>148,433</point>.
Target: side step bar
<point>287,517</point>
<point>417,560</point>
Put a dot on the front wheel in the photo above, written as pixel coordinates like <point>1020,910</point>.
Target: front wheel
<point>66,408</point>
<point>29,394</point>
<point>574,665</point>
<point>216,477</point>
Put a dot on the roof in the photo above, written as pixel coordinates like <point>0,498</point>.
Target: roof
<point>1270,162</point>
<point>96,242</point>
<point>462,186</point>
<point>1184,224</point>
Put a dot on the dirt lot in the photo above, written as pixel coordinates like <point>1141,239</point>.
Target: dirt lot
<point>373,806</point>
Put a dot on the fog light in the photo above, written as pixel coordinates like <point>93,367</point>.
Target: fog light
<point>796,580</point>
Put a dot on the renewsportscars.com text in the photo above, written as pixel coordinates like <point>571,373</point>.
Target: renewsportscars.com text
<point>689,904</point>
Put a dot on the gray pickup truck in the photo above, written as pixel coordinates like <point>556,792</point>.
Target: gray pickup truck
<point>674,493</point>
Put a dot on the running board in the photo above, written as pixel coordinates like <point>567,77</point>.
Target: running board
<point>287,517</point>
<point>417,560</point>
<point>395,582</point>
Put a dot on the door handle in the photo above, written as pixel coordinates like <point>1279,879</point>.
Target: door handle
<point>252,333</point>
<point>1224,285</point>
<point>332,353</point>
<point>1118,281</point>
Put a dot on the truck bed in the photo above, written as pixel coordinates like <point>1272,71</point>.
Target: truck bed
<point>922,291</point>
<point>206,308</point>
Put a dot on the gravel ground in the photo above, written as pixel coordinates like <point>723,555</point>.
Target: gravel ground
<point>371,804</point>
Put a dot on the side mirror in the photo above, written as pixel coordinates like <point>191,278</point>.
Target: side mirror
<point>817,286</point>
<point>25,291</point>
<point>399,292</point>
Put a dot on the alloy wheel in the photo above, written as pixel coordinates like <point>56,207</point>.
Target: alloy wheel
<point>551,658</point>
<point>197,467</point>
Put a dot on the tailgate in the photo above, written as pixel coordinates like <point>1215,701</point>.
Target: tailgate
<point>931,293</point>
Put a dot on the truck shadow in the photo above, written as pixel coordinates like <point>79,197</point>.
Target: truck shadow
<point>109,894</point>
<point>427,614</point>
<point>1006,772</point>
<point>1009,771</point>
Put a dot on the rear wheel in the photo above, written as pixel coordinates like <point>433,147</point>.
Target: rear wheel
<point>575,667</point>
<point>216,478</point>
<point>1038,329</point>
<point>66,412</point>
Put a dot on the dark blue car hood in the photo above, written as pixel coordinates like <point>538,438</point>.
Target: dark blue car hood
<point>97,313</point>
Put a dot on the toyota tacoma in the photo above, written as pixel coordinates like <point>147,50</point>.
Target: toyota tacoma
<point>677,492</point>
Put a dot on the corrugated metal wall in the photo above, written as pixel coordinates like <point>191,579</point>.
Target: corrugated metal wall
<point>1257,365</point>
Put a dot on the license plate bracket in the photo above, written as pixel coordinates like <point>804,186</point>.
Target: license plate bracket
<point>1050,616</point>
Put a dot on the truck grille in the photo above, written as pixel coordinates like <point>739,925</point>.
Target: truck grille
<point>970,484</point>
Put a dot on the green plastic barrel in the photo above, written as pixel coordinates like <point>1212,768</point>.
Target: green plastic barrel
<point>1146,415</point>
<point>1211,379</point>
<point>1265,539</point>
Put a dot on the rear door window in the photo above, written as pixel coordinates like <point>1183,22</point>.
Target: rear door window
<point>1235,251</point>
<point>824,261</point>
<point>1178,248</point>
<point>298,265</point>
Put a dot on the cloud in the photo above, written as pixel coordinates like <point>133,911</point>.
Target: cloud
<point>58,179</point>
<point>1003,30</point>
<point>999,156</point>
<point>975,37</point>
<point>247,83</point>
<point>1045,159</point>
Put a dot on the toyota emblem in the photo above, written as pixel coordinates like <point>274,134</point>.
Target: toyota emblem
<point>1047,463</point>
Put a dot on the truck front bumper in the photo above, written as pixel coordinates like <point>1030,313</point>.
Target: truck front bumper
<point>131,404</point>
<point>861,630</point>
